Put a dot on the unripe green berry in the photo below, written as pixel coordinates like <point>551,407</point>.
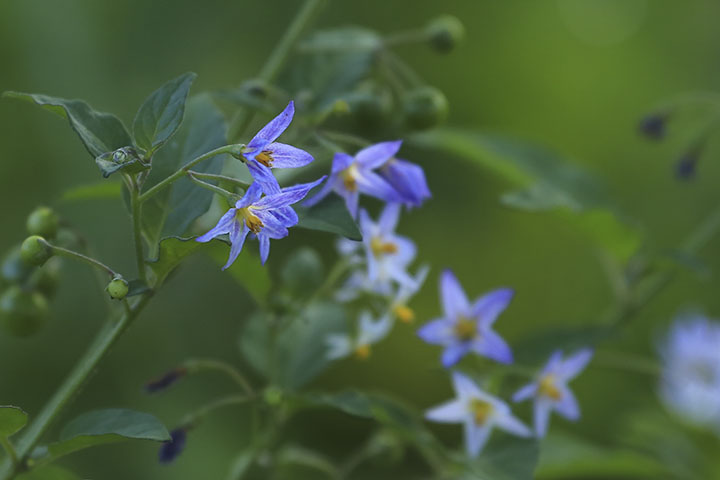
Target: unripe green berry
<point>22,313</point>
<point>117,288</point>
<point>425,107</point>
<point>445,33</point>
<point>14,269</point>
<point>42,221</point>
<point>35,250</point>
<point>46,279</point>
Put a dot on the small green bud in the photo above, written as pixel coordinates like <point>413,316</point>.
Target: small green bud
<point>425,107</point>
<point>22,313</point>
<point>47,278</point>
<point>117,288</point>
<point>42,221</point>
<point>35,250</point>
<point>445,33</point>
<point>273,396</point>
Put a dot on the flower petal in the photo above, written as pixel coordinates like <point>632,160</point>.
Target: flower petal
<point>237,239</point>
<point>541,415</point>
<point>438,332</point>
<point>454,301</point>
<point>341,161</point>
<point>525,392</point>
<point>567,406</point>
<point>575,364</point>
<point>287,196</point>
<point>264,247</point>
<point>511,424</point>
<point>489,306</point>
<point>263,175</point>
<point>374,185</point>
<point>408,180</point>
<point>272,227</point>
<point>453,353</point>
<point>554,363</point>
<point>454,411</point>
<point>223,226</point>
<point>322,193</point>
<point>389,218</point>
<point>286,215</point>
<point>252,195</point>
<point>465,388</point>
<point>476,436</point>
<point>339,346</point>
<point>287,156</point>
<point>351,202</point>
<point>275,127</point>
<point>376,155</point>
<point>491,345</point>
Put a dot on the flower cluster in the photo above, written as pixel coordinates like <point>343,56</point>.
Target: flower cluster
<point>690,382</point>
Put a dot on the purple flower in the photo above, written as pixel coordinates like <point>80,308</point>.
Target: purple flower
<point>550,389</point>
<point>267,217</point>
<point>479,412</point>
<point>351,176</point>
<point>370,331</point>
<point>264,153</point>
<point>466,327</point>
<point>170,450</point>
<point>167,380</point>
<point>653,125</point>
<point>408,180</point>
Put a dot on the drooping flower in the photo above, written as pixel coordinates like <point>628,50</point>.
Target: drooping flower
<point>370,331</point>
<point>351,176</point>
<point>467,327</point>
<point>690,381</point>
<point>266,217</point>
<point>171,449</point>
<point>164,382</point>
<point>550,390</point>
<point>408,180</point>
<point>479,412</point>
<point>263,153</point>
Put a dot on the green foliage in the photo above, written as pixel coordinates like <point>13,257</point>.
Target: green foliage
<point>291,351</point>
<point>100,132</point>
<point>94,191</point>
<point>171,251</point>
<point>512,459</point>
<point>303,272</point>
<point>22,313</point>
<point>330,215</point>
<point>161,114</point>
<point>172,210</point>
<point>12,419</point>
<point>125,159</point>
<point>50,472</point>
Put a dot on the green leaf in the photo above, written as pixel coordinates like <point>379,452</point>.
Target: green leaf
<point>303,273</point>
<point>12,419</point>
<point>170,212</point>
<point>330,215</point>
<point>246,270</point>
<point>100,427</point>
<point>171,251</point>
<point>126,159</point>
<point>512,459</point>
<point>291,355</point>
<point>547,180</point>
<point>49,472</point>
<point>161,114</point>
<point>94,191</point>
<point>100,132</point>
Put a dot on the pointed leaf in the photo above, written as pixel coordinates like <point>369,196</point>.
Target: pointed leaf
<point>100,132</point>
<point>330,215</point>
<point>161,114</point>
<point>12,419</point>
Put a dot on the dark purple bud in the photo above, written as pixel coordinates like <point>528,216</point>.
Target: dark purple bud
<point>686,166</point>
<point>173,447</point>
<point>161,383</point>
<point>653,126</point>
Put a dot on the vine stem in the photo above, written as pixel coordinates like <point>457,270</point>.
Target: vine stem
<point>64,252</point>
<point>104,340</point>
<point>135,207</point>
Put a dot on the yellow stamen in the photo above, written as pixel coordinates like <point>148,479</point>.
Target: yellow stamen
<point>265,157</point>
<point>481,410</point>
<point>465,328</point>
<point>349,177</point>
<point>251,220</point>
<point>404,313</point>
<point>380,247</point>
<point>362,352</point>
<point>548,388</point>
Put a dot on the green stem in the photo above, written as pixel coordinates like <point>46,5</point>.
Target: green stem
<point>182,171</point>
<point>136,208</point>
<point>196,365</point>
<point>276,59</point>
<point>406,37</point>
<point>10,450</point>
<point>210,186</point>
<point>192,420</point>
<point>64,252</point>
<point>220,178</point>
<point>105,339</point>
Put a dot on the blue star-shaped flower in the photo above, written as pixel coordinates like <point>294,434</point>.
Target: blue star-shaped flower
<point>408,179</point>
<point>266,217</point>
<point>550,389</point>
<point>351,176</point>
<point>263,153</point>
<point>467,328</point>
<point>479,412</point>
<point>370,331</point>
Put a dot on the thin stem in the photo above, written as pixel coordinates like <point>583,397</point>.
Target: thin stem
<point>272,66</point>
<point>64,252</point>
<point>406,37</point>
<point>158,187</point>
<point>10,450</point>
<point>105,339</point>
<point>196,365</point>
<point>210,186</point>
<point>220,178</point>
<point>136,209</point>
<point>198,416</point>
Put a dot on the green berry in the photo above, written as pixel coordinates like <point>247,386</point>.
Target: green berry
<point>14,269</point>
<point>117,288</point>
<point>35,250</point>
<point>445,33</point>
<point>22,313</point>
<point>425,107</point>
<point>42,221</point>
<point>46,279</point>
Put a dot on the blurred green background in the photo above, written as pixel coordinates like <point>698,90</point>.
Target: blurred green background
<point>575,75</point>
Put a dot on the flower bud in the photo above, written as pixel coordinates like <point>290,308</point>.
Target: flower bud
<point>171,449</point>
<point>22,313</point>
<point>166,381</point>
<point>653,126</point>
<point>445,33</point>
<point>117,288</point>
<point>35,250</point>
<point>42,221</point>
<point>425,107</point>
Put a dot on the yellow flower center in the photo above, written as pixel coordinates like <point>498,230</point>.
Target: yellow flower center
<point>250,219</point>
<point>404,313</point>
<point>348,175</point>
<point>481,410</point>
<point>465,328</point>
<point>380,247</point>
<point>362,352</point>
<point>265,157</point>
<point>548,388</point>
